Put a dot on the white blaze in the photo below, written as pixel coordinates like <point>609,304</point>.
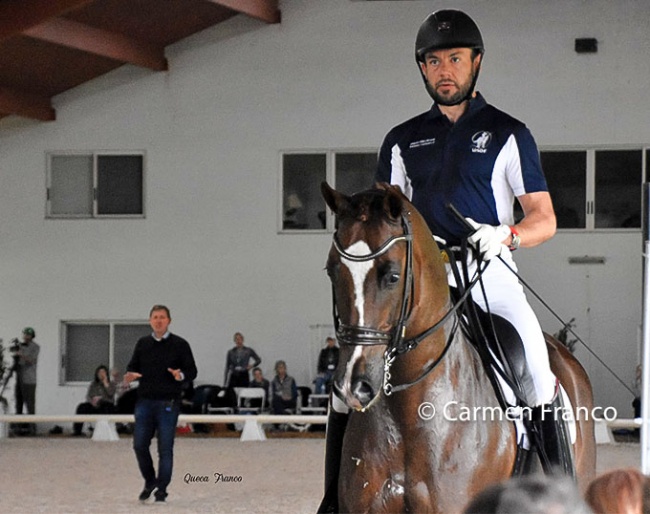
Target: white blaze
<point>359,272</point>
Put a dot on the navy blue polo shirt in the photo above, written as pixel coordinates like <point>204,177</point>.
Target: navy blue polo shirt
<point>480,164</point>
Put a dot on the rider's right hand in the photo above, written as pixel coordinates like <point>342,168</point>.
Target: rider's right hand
<point>487,239</point>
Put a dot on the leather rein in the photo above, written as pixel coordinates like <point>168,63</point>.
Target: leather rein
<point>354,335</point>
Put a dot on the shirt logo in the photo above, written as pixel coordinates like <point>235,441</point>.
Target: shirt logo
<point>480,141</point>
<point>422,142</point>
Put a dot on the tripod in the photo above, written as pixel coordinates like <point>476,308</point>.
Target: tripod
<point>10,374</point>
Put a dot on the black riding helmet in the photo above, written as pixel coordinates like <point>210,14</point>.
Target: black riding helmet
<point>447,28</point>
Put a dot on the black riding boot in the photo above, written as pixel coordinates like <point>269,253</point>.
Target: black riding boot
<point>336,423</point>
<point>552,434</point>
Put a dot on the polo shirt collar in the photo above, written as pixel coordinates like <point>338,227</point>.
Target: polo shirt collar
<point>165,336</point>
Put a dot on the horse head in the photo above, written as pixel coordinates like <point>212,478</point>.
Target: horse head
<point>380,259</point>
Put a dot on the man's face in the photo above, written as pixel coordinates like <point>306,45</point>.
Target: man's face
<point>239,340</point>
<point>450,74</point>
<point>258,375</point>
<point>159,322</point>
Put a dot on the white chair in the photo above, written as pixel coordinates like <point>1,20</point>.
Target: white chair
<point>316,404</point>
<point>244,395</point>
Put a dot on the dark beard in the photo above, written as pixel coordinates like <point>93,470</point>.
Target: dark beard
<point>463,93</point>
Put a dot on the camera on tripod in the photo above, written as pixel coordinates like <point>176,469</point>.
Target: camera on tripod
<point>14,346</point>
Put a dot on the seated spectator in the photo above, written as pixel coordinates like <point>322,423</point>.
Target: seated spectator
<point>260,382</point>
<point>283,390</point>
<point>125,398</point>
<point>623,491</point>
<point>535,494</point>
<point>120,385</point>
<point>328,359</point>
<point>99,398</point>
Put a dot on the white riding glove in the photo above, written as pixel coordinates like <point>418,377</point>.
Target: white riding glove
<point>487,239</point>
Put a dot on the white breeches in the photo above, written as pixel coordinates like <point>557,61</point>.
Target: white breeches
<point>507,299</point>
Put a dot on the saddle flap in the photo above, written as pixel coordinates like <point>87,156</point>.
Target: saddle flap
<point>507,349</point>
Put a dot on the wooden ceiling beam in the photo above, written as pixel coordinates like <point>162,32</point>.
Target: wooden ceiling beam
<point>26,105</point>
<point>100,42</point>
<point>265,10</point>
<point>19,15</point>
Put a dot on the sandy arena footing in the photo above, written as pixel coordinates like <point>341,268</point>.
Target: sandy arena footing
<point>211,475</point>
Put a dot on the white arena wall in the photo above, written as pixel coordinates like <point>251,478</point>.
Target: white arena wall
<point>335,74</point>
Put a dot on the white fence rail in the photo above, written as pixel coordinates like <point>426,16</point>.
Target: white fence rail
<point>252,429</point>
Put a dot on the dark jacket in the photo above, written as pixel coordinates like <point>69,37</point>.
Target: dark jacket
<point>152,359</point>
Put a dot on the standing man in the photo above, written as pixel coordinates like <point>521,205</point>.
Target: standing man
<point>162,362</point>
<point>238,363</point>
<point>26,359</point>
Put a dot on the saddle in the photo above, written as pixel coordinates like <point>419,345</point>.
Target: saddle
<point>498,343</point>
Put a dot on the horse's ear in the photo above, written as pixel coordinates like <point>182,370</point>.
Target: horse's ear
<point>334,200</point>
<point>394,202</point>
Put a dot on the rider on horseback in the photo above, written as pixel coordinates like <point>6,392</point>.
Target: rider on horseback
<point>466,152</point>
<point>479,159</point>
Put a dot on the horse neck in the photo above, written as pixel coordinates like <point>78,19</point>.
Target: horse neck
<point>430,303</point>
<point>430,300</point>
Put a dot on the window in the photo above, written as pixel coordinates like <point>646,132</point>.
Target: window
<point>95,185</point>
<point>88,344</point>
<point>302,206</point>
<point>566,175</point>
<point>595,188</point>
<point>619,178</point>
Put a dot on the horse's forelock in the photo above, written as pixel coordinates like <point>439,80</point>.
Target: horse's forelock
<point>370,206</point>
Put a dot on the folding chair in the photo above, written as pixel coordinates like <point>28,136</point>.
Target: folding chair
<point>219,402</point>
<point>244,397</point>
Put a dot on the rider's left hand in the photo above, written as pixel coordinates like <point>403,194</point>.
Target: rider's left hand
<point>487,239</point>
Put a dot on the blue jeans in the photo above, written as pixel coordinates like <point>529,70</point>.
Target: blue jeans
<point>153,416</point>
<point>322,382</point>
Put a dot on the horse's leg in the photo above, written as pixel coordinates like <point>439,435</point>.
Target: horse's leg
<point>371,461</point>
<point>336,424</point>
<point>576,383</point>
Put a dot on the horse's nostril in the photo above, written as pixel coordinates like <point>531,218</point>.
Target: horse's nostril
<point>363,392</point>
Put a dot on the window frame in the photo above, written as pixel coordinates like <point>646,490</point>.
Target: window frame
<point>330,177</point>
<point>111,323</point>
<point>95,155</point>
<point>590,182</point>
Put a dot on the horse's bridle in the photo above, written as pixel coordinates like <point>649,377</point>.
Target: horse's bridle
<point>350,335</point>
<point>365,336</point>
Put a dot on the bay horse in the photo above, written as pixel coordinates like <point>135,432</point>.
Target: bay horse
<point>402,357</point>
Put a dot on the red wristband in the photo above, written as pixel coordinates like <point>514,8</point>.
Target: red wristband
<point>516,240</point>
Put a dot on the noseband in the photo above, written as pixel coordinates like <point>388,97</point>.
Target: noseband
<point>354,335</point>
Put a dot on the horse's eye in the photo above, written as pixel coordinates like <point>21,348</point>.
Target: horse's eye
<point>393,278</point>
<point>390,278</point>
